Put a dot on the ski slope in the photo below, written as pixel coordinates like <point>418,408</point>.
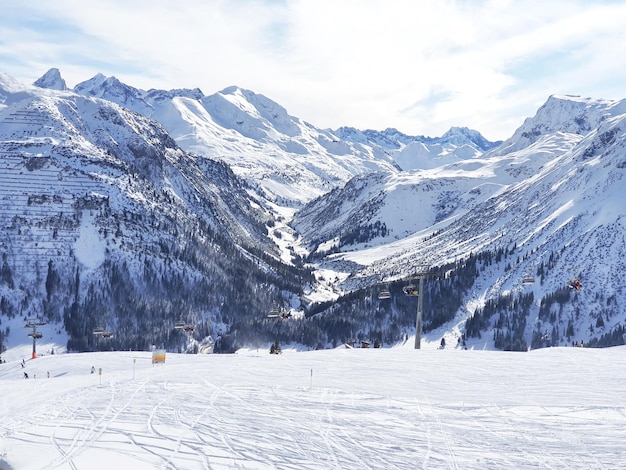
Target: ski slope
<point>344,408</point>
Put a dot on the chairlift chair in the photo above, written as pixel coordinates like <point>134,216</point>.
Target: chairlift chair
<point>528,279</point>
<point>273,313</point>
<point>574,284</point>
<point>277,311</point>
<point>384,294</point>
<point>410,290</point>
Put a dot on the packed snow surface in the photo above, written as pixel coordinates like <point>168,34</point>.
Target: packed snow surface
<point>342,408</point>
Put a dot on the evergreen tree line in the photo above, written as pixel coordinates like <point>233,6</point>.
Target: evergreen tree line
<point>364,234</point>
<point>361,316</point>
<point>512,311</point>
<point>615,337</point>
<point>510,326</point>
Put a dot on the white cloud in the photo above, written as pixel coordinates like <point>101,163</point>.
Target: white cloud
<point>418,66</point>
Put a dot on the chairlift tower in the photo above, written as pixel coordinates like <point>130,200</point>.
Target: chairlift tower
<point>34,323</point>
<point>420,273</point>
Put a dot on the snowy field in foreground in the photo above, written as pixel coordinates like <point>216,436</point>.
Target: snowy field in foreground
<point>344,408</point>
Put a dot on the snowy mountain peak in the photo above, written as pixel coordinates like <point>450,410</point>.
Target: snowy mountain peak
<point>266,115</point>
<point>109,88</point>
<point>232,90</point>
<point>52,80</point>
<point>562,113</point>
<point>420,152</point>
<point>91,86</point>
<point>160,95</point>
<point>263,144</point>
<point>393,139</point>
<point>464,135</point>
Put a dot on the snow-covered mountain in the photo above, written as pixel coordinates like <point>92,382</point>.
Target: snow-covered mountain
<point>52,80</point>
<point>568,114</point>
<point>153,206</point>
<point>106,221</point>
<point>412,201</point>
<point>549,201</point>
<point>289,160</point>
<point>419,152</point>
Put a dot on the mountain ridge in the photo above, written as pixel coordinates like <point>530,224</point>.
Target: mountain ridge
<point>201,123</point>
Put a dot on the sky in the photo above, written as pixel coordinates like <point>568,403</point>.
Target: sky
<point>397,408</point>
<point>419,67</point>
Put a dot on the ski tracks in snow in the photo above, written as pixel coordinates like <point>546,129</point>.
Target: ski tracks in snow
<point>88,425</point>
<point>309,429</point>
<point>363,409</point>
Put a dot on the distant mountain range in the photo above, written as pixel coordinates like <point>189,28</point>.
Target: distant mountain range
<point>290,160</point>
<point>137,208</point>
